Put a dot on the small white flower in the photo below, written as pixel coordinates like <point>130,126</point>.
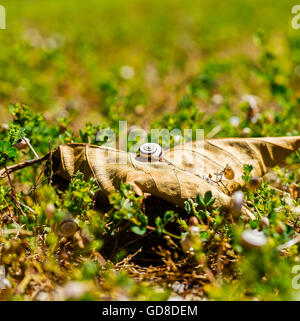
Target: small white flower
<point>194,230</point>
<point>251,99</point>
<point>246,131</point>
<point>289,201</point>
<point>6,284</point>
<point>234,121</point>
<point>177,138</point>
<point>72,290</point>
<point>217,99</point>
<point>296,210</point>
<point>127,72</point>
<point>42,296</point>
<point>178,287</point>
<point>50,43</point>
<point>264,221</point>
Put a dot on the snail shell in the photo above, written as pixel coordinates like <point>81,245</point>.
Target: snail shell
<point>253,238</point>
<point>151,150</point>
<point>67,227</point>
<point>21,144</point>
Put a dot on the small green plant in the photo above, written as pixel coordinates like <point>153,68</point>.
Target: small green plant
<point>80,196</point>
<point>128,208</point>
<point>7,153</point>
<point>247,171</point>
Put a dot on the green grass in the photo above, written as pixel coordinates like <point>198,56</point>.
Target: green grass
<point>60,56</point>
<point>193,62</point>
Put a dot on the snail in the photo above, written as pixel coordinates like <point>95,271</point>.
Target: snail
<point>21,144</point>
<point>151,150</point>
<point>253,239</point>
<point>67,227</point>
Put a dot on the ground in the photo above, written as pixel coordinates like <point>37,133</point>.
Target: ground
<point>230,69</point>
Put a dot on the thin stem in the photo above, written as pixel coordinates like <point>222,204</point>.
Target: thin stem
<point>30,146</point>
<point>10,182</point>
<point>14,195</point>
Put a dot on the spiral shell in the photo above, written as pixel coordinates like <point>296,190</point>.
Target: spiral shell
<point>253,238</point>
<point>151,150</point>
<point>67,227</point>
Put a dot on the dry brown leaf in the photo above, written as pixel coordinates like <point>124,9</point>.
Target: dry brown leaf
<point>182,173</point>
<point>179,174</point>
<point>261,153</point>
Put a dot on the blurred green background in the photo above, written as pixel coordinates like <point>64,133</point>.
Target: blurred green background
<point>107,60</point>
